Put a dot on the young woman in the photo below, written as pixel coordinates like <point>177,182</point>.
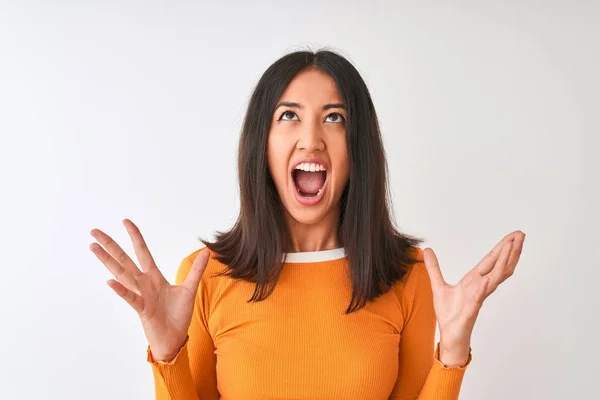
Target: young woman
<point>313,294</point>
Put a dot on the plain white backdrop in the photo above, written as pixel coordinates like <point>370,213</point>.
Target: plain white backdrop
<point>489,112</point>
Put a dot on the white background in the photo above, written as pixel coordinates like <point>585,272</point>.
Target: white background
<point>122,109</point>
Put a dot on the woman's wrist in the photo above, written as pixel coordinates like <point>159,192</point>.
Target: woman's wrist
<point>454,353</point>
<point>168,355</point>
<point>454,356</point>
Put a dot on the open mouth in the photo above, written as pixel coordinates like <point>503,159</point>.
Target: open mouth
<point>309,181</point>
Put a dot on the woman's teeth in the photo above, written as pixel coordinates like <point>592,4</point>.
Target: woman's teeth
<point>310,167</point>
<point>308,196</point>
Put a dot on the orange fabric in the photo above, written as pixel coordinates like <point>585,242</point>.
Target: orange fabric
<point>299,344</point>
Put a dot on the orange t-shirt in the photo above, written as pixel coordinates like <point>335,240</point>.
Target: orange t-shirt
<point>299,344</point>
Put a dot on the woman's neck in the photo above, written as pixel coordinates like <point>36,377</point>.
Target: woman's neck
<point>322,235</point>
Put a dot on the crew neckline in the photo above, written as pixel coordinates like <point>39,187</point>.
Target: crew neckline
<point>315,256</point>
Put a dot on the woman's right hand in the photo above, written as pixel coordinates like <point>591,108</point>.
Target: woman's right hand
<point>164,309</point>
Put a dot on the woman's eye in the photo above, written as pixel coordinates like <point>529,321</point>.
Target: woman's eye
<point>288,116</point>
<point>335,117</point>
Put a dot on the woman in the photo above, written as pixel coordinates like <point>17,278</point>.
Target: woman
<point>313,294</point>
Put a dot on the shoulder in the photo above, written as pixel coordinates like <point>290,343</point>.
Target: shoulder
<point>213,266</point>
<point>414,270</point>
<point>416,279</point>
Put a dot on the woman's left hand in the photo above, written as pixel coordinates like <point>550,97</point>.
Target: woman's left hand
<point>457,306</point>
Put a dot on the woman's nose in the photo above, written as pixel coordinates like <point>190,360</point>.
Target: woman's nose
<point>311,138</point>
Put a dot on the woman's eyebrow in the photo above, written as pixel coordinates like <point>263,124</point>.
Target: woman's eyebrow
<point>288,104</point>
<point>335,105</point>
<point>298,105</point>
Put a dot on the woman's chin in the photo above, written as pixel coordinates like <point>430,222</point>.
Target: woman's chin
<point>308,216</point>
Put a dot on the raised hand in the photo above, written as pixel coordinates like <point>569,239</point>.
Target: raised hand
<point>457,306</point>
<point>165,310</point>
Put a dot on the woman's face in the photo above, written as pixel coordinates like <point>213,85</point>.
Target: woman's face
<point>307,153</point>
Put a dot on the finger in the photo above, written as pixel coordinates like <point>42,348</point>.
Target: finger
<point>115,251</point>
<point>500,272</point>
<point>515,254</point>
<point>134,300</point>
<point>487,263</point>
<point>122,274</point>
<point>139,245</point>
<point>193,279</point>
<point>433,269</point>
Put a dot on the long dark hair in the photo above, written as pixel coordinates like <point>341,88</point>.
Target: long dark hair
<point>378,254</point>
